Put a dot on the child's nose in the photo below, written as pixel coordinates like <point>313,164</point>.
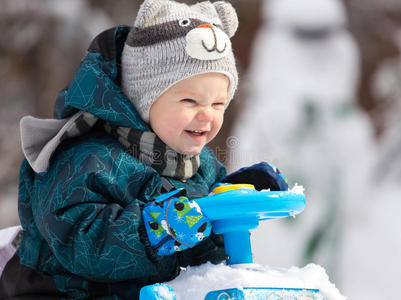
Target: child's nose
<point>205,115</point>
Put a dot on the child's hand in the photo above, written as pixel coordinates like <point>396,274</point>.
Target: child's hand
<point>174,223</point>
<point>262,175</point>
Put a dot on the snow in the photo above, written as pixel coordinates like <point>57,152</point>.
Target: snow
<point>301,100</point>
<point>371,246</point>
<point>195,282</point>
<point>301,115</point>
<point>387,87</point>
<point>297,189</point>
<point>370,267</point>
<point>75,13</point>
<point>308,13</point>
<point>164,292</point>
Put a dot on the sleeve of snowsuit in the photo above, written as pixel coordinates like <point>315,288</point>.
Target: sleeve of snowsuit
<point>91,214</point>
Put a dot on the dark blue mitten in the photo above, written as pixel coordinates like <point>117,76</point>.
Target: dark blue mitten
<point>174,223</point>
<point>262,175</point>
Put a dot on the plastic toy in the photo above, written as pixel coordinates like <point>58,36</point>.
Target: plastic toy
<point>234,210</point>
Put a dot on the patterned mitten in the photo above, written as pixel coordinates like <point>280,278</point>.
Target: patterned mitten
<point>174,223</point>
<point>262,175</point>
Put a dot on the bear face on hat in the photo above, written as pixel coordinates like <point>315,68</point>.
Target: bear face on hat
<point>172,41</point>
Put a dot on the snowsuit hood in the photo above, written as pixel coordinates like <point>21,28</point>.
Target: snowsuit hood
<point>95,89</point>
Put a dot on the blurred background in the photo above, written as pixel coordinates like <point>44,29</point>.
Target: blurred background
<point>320,97</point>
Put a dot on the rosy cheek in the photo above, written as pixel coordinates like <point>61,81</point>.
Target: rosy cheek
<point>219,121</point>
<point>177,126</point>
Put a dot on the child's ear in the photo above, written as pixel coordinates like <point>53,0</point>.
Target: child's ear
<point>228,17</point>
<point>147,11</point>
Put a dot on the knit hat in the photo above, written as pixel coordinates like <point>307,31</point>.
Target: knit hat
<point>172,41</point>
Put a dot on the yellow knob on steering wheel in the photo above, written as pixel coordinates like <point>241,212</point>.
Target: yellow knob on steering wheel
<point>227,187</point>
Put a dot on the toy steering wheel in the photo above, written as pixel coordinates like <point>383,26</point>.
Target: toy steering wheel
<point>234,209</point>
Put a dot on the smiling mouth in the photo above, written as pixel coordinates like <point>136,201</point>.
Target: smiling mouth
<point>197,132</point>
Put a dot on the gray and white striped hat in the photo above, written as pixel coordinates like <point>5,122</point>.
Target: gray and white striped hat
<point>172,41</point>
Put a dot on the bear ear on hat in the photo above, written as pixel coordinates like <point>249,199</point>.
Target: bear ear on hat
<point>147,11</point>
<point>228,17</point>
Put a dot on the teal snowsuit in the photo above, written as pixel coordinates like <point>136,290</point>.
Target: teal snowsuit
<point>81,220</point>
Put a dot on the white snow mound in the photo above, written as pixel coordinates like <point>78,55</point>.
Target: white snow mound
<point>297,189</point>
<point>195,282</point>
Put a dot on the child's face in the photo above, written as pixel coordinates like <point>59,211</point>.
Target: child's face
<point>190,113</point>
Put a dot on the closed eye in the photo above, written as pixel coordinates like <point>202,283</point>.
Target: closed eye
<point>219,104</point>
<point>188,100</point>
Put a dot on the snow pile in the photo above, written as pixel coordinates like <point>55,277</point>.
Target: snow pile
<point>163,292</point>
<point>195,282</point>
<point>297,189</point>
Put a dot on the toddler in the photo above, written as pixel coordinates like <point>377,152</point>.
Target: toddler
<point>128,139</point>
